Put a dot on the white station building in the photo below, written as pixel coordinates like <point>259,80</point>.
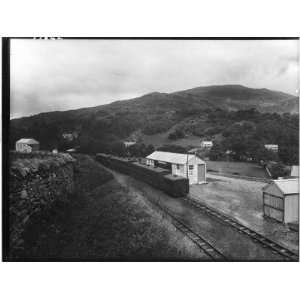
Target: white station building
<point>185,165</point>
<point>281,200</point>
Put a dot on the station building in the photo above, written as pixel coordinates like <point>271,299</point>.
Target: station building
<point>185,165</point>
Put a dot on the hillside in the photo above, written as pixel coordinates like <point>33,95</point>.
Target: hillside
<point>192,111</point>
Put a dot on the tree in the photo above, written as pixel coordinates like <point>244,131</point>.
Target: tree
<point>217,152</point>
<point>278,170</point>
<point>172,148</point>
<point>177,134</point>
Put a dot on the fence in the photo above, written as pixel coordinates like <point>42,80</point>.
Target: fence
<point>259,179</point>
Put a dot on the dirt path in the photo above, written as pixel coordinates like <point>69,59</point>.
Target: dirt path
<point>232,244</point>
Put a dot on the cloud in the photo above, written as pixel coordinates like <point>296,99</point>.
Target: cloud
<point>69,74</point>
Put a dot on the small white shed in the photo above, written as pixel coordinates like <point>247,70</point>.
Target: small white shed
<point>281,200</point>
<point>27,145</point>
<point>185,165</point>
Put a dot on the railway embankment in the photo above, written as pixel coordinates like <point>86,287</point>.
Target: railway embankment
<point>94,217</point>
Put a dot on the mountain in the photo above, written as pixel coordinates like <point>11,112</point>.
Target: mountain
<point>149,114</point>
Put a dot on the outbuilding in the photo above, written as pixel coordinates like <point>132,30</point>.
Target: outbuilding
<point>185,165</point>
<point>281,200</point>
<point>27,145</point>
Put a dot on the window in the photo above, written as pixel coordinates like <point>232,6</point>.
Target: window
<point>178,167</point>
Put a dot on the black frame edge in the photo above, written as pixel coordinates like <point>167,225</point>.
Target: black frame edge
<point>5,145</point>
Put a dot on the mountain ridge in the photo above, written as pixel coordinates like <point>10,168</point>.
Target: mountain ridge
<point>279,95</point>
<point>192,110</point>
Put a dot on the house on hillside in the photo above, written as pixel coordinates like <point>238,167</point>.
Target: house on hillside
<point>206,145</point>
<point>281,200</point>
<point>128,144</point>
<point>68,136</point>
<point>295,171</point>
<point>27,145</point>
<point>185,165</point>
<point>72,150</point>
<point>272,147</point>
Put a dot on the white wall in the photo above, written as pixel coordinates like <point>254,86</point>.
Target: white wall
<point>182,171</point>
<point>291,208</point>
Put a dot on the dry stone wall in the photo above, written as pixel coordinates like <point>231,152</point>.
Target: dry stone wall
<point>35,183</point>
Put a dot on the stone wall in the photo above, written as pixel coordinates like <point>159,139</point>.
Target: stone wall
<point>35,183</point>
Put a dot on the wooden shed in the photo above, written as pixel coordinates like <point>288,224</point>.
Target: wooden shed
<point>281,200</point>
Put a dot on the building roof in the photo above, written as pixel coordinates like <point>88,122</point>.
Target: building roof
<point>28,141</point>
<point>287,186</point>
<point>207,142</point>
<point>174,158</point>
<point>295,171</point>
<point>271,145</point>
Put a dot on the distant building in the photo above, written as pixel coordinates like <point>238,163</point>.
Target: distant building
<point>27,145</point>
<point>272,147</point>
<point>206,144</point>
<point>295,171</point>
<point>185,165</point>
<point>68,136</point>
<point>128,144</point>
<point>54,151</point>
<point>71,150</point>
<point>281,200</point>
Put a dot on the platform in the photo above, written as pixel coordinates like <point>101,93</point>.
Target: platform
<point>242,200</point>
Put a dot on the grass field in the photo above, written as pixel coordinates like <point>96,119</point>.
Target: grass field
<point>237,168</point>
<point>160,139</point>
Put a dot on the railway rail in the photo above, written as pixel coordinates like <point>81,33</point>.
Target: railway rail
<point>201,242</point>
<point>287,254</point>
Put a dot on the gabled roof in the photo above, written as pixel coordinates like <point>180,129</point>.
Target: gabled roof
<point>286,186</point>
<point>28,141</point>
<point>295,171</point>
<point>174,158</point>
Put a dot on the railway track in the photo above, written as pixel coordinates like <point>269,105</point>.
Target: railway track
<point>287,254</point>
<point>201,242</point>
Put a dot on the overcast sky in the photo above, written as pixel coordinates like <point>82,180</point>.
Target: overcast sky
<point>51,75</point>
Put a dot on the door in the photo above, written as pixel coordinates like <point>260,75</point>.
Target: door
<point>201,173</point>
